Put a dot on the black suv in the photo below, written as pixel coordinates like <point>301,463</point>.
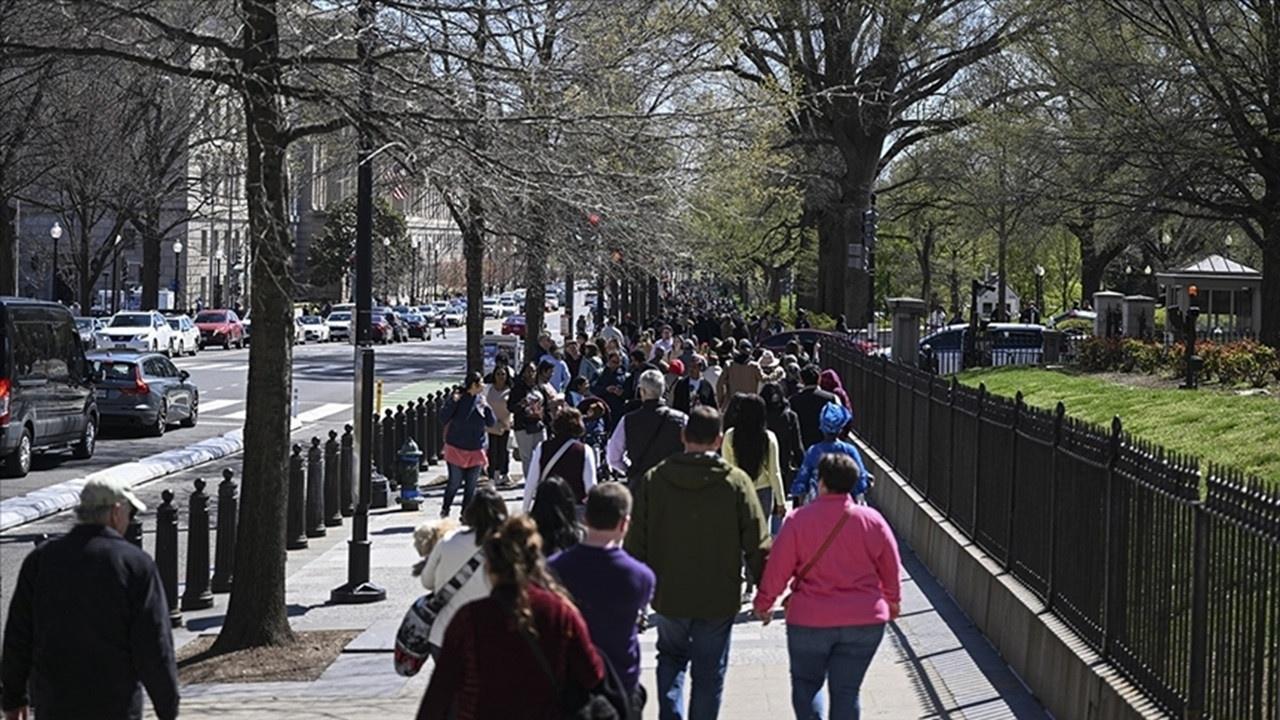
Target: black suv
<point>46,392</point>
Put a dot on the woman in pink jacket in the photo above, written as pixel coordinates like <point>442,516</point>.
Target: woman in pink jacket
<point>842,562</point>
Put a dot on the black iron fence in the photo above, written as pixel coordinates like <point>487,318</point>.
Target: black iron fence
<point>1171,573</point>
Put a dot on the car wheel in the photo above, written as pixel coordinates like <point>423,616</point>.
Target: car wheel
<point>161,423</point>
<point>18,464</point>
<point>191,419</point>
<point>83,450</point>
<point>226,343</point>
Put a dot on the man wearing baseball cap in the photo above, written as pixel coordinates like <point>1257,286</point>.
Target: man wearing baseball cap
<point>88,624</point>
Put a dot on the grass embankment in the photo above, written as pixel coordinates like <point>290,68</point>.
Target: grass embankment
<point>1241,432</point>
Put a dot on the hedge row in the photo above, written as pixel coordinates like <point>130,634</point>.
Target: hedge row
<point>1242,361</point>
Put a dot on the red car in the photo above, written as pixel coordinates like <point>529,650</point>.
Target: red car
<point>380,331</point>
<point>220,327</point>
<point>513,325</point>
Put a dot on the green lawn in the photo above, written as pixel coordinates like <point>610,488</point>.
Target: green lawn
<point>1242,432</point>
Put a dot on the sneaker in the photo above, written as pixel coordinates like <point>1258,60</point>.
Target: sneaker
<point>444,514</point>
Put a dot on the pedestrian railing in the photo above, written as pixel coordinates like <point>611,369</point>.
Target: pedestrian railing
<point>1171,573</point>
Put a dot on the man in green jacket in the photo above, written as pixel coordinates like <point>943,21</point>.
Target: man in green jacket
<point>694,519</point>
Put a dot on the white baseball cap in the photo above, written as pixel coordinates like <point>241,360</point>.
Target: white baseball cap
<point>105,493</point>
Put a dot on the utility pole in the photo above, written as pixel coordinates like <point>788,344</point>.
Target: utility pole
<point>359,589</point>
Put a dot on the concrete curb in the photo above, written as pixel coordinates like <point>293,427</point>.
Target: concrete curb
<point>65,495</point>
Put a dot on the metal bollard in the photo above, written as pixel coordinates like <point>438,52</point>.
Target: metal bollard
<point>332,516</point>
<point>133,533</point>
<point>197,595</point>
<point>224,553</point>
<point>315,490</point>
<point>428,443</point>
<point>388,448</point>
<point>167,554</point>
<point>346,475</point>
<point>296,517</point>
<point>440,394</point>
<point>376,442</point>
<point>401,428</point>
<point>410,423</point>
<point>420,430</point>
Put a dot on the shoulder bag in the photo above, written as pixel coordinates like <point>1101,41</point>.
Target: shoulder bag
<point>412,646</point>
<point>831,536</point>
<point>608,701</point>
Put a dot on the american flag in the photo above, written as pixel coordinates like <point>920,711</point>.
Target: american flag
<point>396,175</point>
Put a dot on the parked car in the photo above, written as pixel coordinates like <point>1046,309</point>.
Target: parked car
<point>222,327</point>
<point>339,322</point>
<point>455,315</point>
<point>380,330</point>
<point>188,335</point>
<point>246,326</point>
<point>399,329</point>
<point>492,307</point>
<point>46,388</point>
<point>314,328</point>
<point>551,301</point>
<point>997,344</point>
<point>86,327</point>
<point>146,331</point>
<point>145,390</point>
<point>508,307</point>
<point>416,324</point>
<point>513,325</point>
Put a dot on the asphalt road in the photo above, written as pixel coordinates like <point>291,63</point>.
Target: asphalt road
<point>322,375</point>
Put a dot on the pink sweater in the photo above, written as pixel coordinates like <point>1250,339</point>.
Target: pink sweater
<point>854,581</point>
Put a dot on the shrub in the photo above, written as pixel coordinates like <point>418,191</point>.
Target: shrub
<point>1075,326</point>
<point>1100,354</point>
<point>1245,361</point>
<point>1144,357</point>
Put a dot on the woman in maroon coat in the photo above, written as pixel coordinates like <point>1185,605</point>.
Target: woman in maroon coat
<point>525,608</point>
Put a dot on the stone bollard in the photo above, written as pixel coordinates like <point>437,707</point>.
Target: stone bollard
<point>346,464</point>
<point>296,518</point>
<point>332,516</point>
<point>167,554</point>
<point>224,552</point>
<point>428,443</point>
<point>420,430</point>
<point>197,595</point>
<point>315,490</point>
<point>388,448</point>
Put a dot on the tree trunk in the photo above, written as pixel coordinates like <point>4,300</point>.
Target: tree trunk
<point>8,250</point>
<point>256,613</point>
<point>1271,287</point>
<point>655,304</point>
<point>535,283</point>
<point>473,254</point>
<point>568,296</point>
<point>1001,314</point>
<point>925,258</point>
<point>86,276</point>
<point>151,251</point>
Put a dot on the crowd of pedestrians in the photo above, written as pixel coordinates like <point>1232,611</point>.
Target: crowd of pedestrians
<point>658,462</point>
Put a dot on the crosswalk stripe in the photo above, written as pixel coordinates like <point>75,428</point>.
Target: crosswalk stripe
<point>237,415</point>
<point>208,366</point>
<point>324,411</point>
<point>211,405</point>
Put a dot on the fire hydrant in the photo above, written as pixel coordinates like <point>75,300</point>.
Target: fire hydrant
<point>410,455</point>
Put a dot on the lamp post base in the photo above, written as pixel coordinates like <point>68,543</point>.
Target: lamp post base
<point>360,594</point>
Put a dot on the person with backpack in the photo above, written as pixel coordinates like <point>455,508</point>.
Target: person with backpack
<point>647,435</point>
<point>467,418</point>
<point>832,422</point>
<point>842,563</point>
<point>563,455</point>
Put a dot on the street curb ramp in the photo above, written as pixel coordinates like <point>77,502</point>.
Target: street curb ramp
<point>66,495</point>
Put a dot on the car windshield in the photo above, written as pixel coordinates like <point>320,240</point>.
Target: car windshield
<point>131,321</point>
<point>84,323</point>
<point>312,320</point>
<point>516,319</point>
<point>339,316</point>
<point>211,317</point>
<point>175,324</point>
<point>114,369</point>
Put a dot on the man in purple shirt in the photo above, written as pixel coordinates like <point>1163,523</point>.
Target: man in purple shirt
<point>610,587</point>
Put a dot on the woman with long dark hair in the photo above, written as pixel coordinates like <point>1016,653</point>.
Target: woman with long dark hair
<point>556,514</point>
<point>785,426</point>
<point>751,446</point>
<point>527,627</point>
<point>500,432</point>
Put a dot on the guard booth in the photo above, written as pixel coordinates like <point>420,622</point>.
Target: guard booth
<point>508,344</point>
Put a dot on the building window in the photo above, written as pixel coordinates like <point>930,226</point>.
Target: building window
<point>204,242</point>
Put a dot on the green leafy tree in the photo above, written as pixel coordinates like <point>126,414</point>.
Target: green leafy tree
<point>329,259</point>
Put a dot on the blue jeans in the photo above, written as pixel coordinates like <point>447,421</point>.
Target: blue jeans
<point>838,656</point>
<point>459,476</point>
<point>705,644</point>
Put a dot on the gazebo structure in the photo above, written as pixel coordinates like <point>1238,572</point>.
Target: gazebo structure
<point>1229,294</point>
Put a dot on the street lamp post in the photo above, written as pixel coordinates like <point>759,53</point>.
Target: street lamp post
<point>177,274</point>
<point>55,232</point>
<point>1040,289</point>
<point>386,270</point>
<point>217,276</point>
<point>115,275</point>
<point>416,242</point>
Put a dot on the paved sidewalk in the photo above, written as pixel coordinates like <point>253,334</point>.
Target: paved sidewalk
<point>933,663</point>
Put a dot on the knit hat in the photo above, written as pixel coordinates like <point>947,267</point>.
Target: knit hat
<point>676,367</point>
<point>833,418</point>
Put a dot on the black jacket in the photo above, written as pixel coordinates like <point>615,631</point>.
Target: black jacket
<point>521,420</point>
<point>680,399</point>
<point>87,623</point>
<point>653,434</point>
<point>791,449</point>
<point>807,405</point>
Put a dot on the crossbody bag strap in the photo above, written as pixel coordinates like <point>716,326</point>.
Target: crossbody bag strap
<point>543,663</point>
<point>844,517</point>
<point>546,468</point>
<point>460,578</point>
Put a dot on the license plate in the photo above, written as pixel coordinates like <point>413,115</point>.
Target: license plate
<point>101,393</point>
<point>121,346</point>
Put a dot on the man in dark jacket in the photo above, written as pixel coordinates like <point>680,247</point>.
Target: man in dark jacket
<point>526,405</point>
<point>808,404</point>
<point>695,519</point>
<point>89,621</point>
<point>611,387</point>
<point>693,390</point>
<point>647,435</point>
